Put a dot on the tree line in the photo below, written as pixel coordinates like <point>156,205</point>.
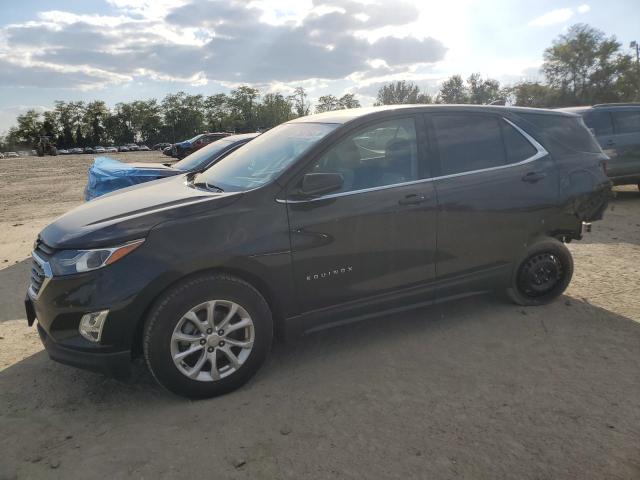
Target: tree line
<point>581,67</point>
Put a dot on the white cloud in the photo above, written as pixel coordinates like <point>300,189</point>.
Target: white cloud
<point>560,15</point>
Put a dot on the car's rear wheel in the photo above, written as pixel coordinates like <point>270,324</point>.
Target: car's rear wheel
<point>543,275</point>
<point>207,336</point>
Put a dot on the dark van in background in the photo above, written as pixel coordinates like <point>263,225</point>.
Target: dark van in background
<point>325,219</point>
<point>617,128</point>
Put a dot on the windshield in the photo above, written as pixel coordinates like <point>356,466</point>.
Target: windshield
<point>200,158</point>
<point>265,157</point>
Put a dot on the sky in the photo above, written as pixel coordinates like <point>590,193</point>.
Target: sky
<point>123,50</point>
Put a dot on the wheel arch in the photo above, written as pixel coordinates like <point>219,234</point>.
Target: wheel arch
<point>277,309</point>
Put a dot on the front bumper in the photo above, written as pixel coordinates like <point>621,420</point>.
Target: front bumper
<point>116,364</point>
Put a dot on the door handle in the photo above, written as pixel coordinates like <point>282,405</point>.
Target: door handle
<point>533,177</point>
<point>413,199</point>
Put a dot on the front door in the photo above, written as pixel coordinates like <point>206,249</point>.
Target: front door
<point>374,236</point>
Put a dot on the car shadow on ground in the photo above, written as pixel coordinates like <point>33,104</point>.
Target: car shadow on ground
<point>14,281</point>
<point>558,378</point>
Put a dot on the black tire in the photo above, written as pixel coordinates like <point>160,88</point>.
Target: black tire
<point>171,307</point>
<point>542,275</point>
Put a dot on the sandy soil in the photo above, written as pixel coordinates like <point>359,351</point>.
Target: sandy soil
<point>473,389</point>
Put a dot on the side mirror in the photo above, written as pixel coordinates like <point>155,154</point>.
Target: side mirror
<point>319,183</point>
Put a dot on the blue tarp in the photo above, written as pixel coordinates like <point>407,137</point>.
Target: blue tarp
<point>107,174</point>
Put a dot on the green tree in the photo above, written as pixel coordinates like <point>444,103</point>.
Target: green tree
<point>327,103</point>
<point>400,92</point>
<point>301,106</point>
<point>95,114</point>
<point>217,112</point>
<point>27,131</point>
<point>532,94</point>
<point>453,90</point>
<point>183,115</point>
<point>274,110</point>
<point>348,100</point>
<point>242,102</point>
<point>482,91</point>
<point>585,66</point>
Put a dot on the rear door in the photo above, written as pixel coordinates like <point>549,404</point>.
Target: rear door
<point>625,158</point>
<point>377,234</point>
<point>495,185</point>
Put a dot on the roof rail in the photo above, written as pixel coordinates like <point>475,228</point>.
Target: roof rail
<point>630,104</point>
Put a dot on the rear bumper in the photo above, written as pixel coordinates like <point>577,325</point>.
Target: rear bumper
<point>117,364</point>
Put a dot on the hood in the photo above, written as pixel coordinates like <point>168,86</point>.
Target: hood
<point>130,213</point>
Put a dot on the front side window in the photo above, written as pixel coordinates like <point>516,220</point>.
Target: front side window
<point>265,157</point>
<point>383,153</point>
<point>627,122</point>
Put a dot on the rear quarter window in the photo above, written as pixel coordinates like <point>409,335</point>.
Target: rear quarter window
<point>627,121</point>
<point>562,133</point>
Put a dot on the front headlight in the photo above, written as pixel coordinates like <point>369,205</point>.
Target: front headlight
<point>68,262</point>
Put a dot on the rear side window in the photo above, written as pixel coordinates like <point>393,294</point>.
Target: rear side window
<point>477,142</point>
<point>600,122</point>
<point>468,142</point>
<point>627,122</point>
<point>562,133</point>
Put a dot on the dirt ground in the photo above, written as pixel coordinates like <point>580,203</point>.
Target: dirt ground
<point>477,389</point>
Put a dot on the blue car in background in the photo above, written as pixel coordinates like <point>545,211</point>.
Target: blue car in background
<point>107,175</point>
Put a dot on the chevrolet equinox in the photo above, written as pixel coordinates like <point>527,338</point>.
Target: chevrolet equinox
<point>322,220</point>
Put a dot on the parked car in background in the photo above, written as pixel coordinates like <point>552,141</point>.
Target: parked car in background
<point>307,227</point>
<point>167,150</point>
<point>12,154</point>
<point>616,126</point>
<point>161,146</point>
<point>133,147</point>
<point>144,148</point>
<point>88,150</point>
<point>111,150</point>
<point>1,155</point>
<point>182,149</point>
<point>99,149</point>
<point>107,175</point>
<point>24,153</point>
<point>123,148</point>
<point>76,150</point>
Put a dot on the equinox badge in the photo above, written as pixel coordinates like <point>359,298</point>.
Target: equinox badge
<point>329,273</point>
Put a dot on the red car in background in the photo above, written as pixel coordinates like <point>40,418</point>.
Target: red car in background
<point>182,149</point>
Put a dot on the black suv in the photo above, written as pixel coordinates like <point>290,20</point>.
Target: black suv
<point>617,129</point>
<point>322,220</point>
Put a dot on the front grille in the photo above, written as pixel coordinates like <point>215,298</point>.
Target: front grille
<point>40,269</point>
<point>37,277</point>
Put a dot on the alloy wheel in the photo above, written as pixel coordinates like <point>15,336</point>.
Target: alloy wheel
<point>212,340</point>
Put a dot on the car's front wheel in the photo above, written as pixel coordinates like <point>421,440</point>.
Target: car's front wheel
<point>207,336</point>
<point>542,275</point>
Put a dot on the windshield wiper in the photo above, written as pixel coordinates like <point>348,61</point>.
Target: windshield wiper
<point>205,184</point>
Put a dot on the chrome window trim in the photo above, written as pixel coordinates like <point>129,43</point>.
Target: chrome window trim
<point>46,268</point>
<point>540,153</point>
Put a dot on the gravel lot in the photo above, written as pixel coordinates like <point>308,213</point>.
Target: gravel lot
<point>476,389</point>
